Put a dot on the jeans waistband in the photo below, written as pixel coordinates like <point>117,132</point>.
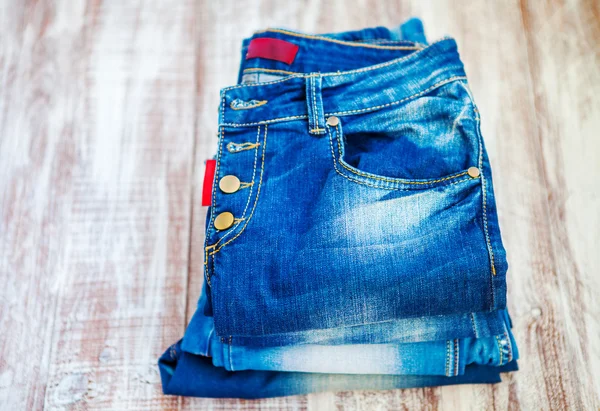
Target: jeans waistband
<point>316,95</point>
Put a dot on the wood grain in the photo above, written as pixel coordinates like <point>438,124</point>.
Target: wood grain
<point>108,111</point>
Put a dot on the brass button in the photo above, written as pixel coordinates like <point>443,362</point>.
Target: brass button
<point>473,172</point>
<point>333,121</point>
<point>229,184</point>
<point>224,221</point>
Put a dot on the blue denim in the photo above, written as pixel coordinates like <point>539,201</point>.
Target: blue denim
<point>373,219</point>
<point>192,375</point>
<point>429,357</point>
<point>365,251</point>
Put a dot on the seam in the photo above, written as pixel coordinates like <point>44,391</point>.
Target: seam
<point>264,83</point>
<point>447,372</point>
<point>258,123</point>
<point>420,93</point>
<point>391,180</point>
<point>214,196</point>
<point>314,98</point>
<point>212,330</point>
<point>341,73</point>
<point>239,220</point>
<point>317,129</point>
<point>252,69</point>
<point>208,268</point>
<point>472,315</point>
<point>500,350</point>
<point>257,104</point>
<point>230,355</point>
<point>346,43</point>
<point>456,354</point>
<point>400,180</point>
<point>262,170</point>
<point>341,113</point>
<point>509,347</point>
<point>483,188</point>
<point>386,41</point>
<point>373,185</point>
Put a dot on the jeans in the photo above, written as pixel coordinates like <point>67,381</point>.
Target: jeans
<point>194,375</point>
<point>429,357</point>
<point>352,239</point>
<point>327,231</point>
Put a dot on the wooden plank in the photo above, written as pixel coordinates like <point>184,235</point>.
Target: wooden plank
<point>38,90</point>
<point>123,283</point>
<point>563,41</point>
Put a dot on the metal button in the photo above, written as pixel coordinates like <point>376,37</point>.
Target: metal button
<point>473,172</point>
<point>229,184</point>
<point>224,221</point>
<point>333,121</point>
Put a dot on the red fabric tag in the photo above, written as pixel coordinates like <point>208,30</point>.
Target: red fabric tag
<point>209,176</point>
<point>272,49</point>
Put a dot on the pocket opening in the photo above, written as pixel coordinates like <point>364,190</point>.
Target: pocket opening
<point>428,140</point>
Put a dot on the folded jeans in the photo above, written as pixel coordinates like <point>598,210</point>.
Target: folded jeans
<point>352,239</point>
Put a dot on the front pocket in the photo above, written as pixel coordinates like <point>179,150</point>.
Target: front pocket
<point>425,141</point>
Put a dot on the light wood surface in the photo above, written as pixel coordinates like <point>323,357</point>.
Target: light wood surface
<point>108,111</point>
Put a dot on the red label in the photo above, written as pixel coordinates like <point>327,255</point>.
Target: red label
<point>209,176</point>
<point>272,49</point>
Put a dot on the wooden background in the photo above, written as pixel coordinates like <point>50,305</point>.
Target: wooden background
<point>107,112</point>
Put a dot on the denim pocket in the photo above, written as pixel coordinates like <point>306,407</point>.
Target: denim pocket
<point>426,140</point>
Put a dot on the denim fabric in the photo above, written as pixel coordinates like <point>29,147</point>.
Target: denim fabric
<point>430,357</point>
<point>447,358</point>
<point>187,374</point>
<point>371,220</point>
<point>436,328</point>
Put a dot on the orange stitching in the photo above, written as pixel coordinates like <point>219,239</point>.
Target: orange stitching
<point>342,73</point>
<point>346,43</point>
<point>232,229</point>
<point>262,169</point>
<point>269,70</point>
<point>391,180</point>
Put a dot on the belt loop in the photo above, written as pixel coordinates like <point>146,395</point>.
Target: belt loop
<point>314,105</point>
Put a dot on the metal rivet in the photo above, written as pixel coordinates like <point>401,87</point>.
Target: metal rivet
<point>224,221</point>
<point>473,172</point>
<point>333,121</point>
<point>229,184</point>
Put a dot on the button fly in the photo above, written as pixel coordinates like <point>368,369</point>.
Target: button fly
<point>229,184</point>
<point>224,221</point>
